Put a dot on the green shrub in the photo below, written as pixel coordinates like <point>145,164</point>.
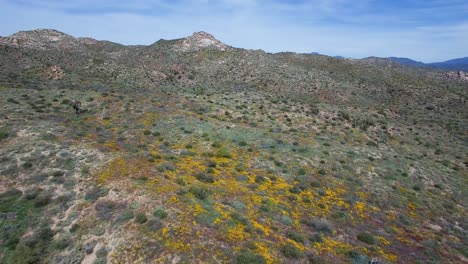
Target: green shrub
<point>322,225</point>
<point>344,115</point>
<point>180,181</point>
<point>106,209</point>
<point>242,143</point>
<point>259,179</point>
<point>356,257</point>
<point>3,133</point>
<point>224,152</point>
<point>141,218</point>
<point>41,200</point>
<point>301,171</point>
<point>62,242</point>
<point>11,194</point>
<point>204,177</point>
<point>95,193</point>
<point>160,213</point>
<point>295,236</point>
<point>366,238</point>
<point>27,165</point>
<point>216,145</point>
<point>101,252</point>
<point>314,110</point>
<point>22,254</point>
<point>247,257</point>
<point>316,238</point>
<point>126,215</point>
<point>211,164</point>
<point>166,166</point>
<point>200,192</point>
<point>32,193</point>
<point>290,251</point>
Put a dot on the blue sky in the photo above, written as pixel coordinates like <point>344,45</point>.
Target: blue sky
<point>425,30</point>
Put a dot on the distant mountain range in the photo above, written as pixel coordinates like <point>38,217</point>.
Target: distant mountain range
<point>455,64</point>
<point>459,64</point>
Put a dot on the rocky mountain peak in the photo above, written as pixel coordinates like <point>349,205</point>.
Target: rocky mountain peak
<point>200,40</point>
<point>43,39</point>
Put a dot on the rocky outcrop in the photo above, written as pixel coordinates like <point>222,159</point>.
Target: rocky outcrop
<point>54,72</point>
<point>200,40</point>
<point>459,76</point>
<point>43,39</point>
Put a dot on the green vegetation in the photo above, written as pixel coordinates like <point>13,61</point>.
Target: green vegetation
<point>290,251</point>
<point>188,158</point>
<point>141,218</point>
<point>3,133</point>
<point>366,238</point>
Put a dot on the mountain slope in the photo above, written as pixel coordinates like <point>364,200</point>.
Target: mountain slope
<point>460,64</point>
<point>406,61</point>
<point>455,64</point>
<point>191,150</point>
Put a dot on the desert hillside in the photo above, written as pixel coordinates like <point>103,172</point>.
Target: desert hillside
<point>193,151</point>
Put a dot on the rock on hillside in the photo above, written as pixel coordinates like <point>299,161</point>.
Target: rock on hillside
<point>200,40</point>
<point>45,39</point>
<point>459,76</point>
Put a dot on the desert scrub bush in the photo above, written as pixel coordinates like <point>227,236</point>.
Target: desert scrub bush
<point>42,199</point>
<point>32,248</point>
<point>31,194</point>
<point>223,152</point>
<point>248,257</point>
<point>166,166</point>
<point>102,252</point>
<point>27,165</point>
<point>10,195</point>
<point>95,193</point>
<point>141,218</point>
<point>160,213</point>
<point>3,133</point>
<point>180,181</point>
<point>314,110</point>
<point>12,100</point>
<point>188,146</point>
<point>285,219</point>
<point>356,257</point>
<point>316,238</point>
<point>216,145</point>
<point>321,225</point>
<point>211,164</point>
<point>204,177</point>
<point>344,115</point>
<point>295,236</point>
<point>62,242</point>
<point>200,193</point>
<point>260,179</point>
<point>291,252</point>
<point>105,210</point>
<point>366,238</point>
<point>154,225</point>
<point>125,216</point>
